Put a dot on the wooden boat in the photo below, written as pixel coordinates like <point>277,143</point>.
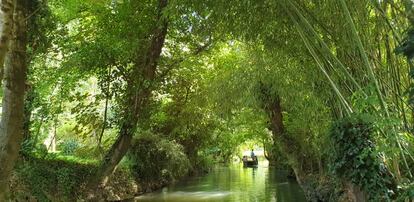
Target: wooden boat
<point>250,163</point>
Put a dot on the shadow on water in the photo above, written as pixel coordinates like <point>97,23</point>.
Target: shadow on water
<point>228,184</point>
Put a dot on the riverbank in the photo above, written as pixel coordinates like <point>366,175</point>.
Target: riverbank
<point>60,179</point>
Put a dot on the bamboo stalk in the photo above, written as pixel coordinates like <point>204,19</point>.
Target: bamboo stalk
<point>325,47</point>
<point>372,75</point>
<point>320,65</point>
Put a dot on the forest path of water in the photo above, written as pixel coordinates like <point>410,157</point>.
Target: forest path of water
<point>232,184</point>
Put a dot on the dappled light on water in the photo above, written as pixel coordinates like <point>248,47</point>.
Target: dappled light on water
<point>185,196</point>
<point>228,184</point>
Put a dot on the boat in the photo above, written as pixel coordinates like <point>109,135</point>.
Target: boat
<point>250,162</point>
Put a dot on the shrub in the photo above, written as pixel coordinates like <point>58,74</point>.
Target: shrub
<point>69,147</point>
<point>354,157</point>
<point>153,159</point>
<point>52,179</point>
<point>202,164</point>
<point>30,147</point>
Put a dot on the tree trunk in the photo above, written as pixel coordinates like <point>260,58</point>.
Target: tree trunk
<point>276,117</point>
<point>50,141</point>
<point>28,108</point>
<point>281,139</point>
<point>115,154</point>
<point>6,21</point>
<point>271,154</point>
<point>11,126</point>
<point>138,93</point>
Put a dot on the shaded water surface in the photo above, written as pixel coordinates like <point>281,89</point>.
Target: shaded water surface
<point>232,184</point>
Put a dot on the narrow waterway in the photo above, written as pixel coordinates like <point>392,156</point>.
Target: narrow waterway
<point>232,184</point>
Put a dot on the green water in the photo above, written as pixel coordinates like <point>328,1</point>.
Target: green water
<point>232,184</point>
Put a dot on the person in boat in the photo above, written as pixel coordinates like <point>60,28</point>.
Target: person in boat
<point>252,154</point>
<point>244,159</point>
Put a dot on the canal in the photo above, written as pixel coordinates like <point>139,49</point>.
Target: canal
<point>232,184</point>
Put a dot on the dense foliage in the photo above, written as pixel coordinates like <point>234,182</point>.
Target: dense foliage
<point>153,159</point>
<point>53,178</point>
<point>356,159</point>
<point>167,88</point>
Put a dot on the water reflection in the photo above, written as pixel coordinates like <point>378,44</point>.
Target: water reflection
<point>230,184</point>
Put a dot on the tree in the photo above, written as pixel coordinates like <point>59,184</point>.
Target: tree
<point>138,91</point>
<point>6,16</point>
<point>11,133</point>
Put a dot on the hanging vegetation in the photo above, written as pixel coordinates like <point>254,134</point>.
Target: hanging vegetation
<point>148,92</point>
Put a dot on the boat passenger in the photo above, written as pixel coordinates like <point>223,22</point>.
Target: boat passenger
<point>244,159</point>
